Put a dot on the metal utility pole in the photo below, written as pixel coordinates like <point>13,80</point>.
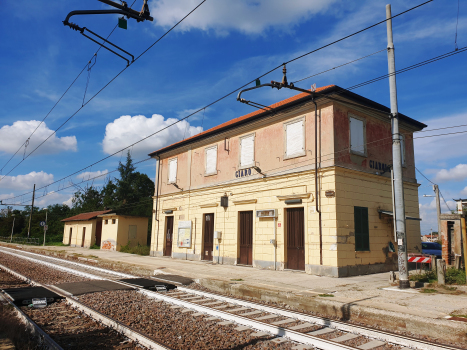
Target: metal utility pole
<point>397,163</point>
<point>12,227</point>
<point>438,209</point>
<point>32,207</point>
<point>45,226</point>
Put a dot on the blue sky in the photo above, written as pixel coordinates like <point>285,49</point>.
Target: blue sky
<point>220,47</point>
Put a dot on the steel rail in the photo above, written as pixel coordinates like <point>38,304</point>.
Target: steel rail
<point>100,269</point>
<point>338,325</point>
<point>45,339</point>
<point>97,316</point>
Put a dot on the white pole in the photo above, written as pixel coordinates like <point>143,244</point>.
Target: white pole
<point>12,228</point>
<point>397,162</point>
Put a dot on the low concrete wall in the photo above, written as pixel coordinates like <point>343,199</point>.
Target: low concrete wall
<point>437,329</point>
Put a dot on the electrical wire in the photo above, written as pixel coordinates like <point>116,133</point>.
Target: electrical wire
<point>105,86</point>
<point>63,95</point>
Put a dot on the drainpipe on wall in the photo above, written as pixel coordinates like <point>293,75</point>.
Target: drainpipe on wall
<point>316,185</point>
<point>157,201</point>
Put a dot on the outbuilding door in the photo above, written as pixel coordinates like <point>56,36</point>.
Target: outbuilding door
<point>71,233</point>
<point>98,232</point>
<point>295,239</point>
<point>169,229</point>
<point>208,238</point>
<point>246,237</point>
<point>84,236</point>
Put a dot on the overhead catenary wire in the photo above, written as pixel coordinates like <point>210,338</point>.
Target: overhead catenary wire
<point>343,90</point>
<point>58,101</point>
<point>104,87</point>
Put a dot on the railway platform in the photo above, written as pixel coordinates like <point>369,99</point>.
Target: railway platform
<point>369,299</point>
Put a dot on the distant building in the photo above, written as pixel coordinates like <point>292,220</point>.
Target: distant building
<point>246,191</point>
<point>122,230</point>
<point>83,230</point>
<point>451,237</point>
<point>430,238</point>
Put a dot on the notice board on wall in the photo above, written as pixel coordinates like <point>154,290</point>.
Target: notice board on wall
<point>184,234</point>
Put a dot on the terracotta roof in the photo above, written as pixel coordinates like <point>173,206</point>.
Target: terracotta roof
<point>86,216</point>
<point>283,103</point>
<point>238,120</point>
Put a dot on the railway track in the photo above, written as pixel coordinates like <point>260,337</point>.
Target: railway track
<point>242,324</point>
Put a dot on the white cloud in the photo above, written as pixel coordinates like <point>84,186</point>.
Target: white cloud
<point>441,148</point>
<point>92,174</point>
<point>13,137</point>
<point>458,173</point>
<point>26,182</point>
<point>464,191</point>
<point>69,202</point>
<point>250,16</point>
<point>126,130</point>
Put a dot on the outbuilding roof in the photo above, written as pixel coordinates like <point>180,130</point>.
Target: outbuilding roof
<point>86,216</point>
<point>299,98</point>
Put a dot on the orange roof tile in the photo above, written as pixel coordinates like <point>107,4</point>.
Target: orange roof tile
<point>86,216</point>
<point>234,121</point>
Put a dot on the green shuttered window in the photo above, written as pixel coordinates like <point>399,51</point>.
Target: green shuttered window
<point>362,231</point>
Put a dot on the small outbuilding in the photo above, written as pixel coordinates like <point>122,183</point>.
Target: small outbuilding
<point>451,237</point>
<point>83,230</point>
<point>121,230</point>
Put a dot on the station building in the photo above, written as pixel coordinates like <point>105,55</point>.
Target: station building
<point>279,188</point>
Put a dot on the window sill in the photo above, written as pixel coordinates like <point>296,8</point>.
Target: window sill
<point>292,157</point>
<point>211,174</point>
<point>355,153</point>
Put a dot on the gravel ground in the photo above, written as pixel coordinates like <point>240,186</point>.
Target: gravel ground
<point>74,331</point>
<point>37,272</point>
<point>173,328</point>
<point>8,281</point>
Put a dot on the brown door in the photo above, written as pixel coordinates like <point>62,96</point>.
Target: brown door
<point>208,236</point>
<point>71,231</point>
<point>246,237</point>
<point>295,239</point>
<point>98,232</point>
<point>169,220</point>
<point>84,235</point>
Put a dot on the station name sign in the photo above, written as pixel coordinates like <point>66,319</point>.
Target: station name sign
<point>373,164</point>
<point>243,172</point>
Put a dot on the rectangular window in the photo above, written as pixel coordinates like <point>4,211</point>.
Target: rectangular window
<point>173,170</point>
<point>357,136</point>
<point>402,139</point>
<point>247,151</point>
<point>106,222</point>
<point>362,231</point>
<point>114,221</point>
<point>132,232</point>
<point>211,160</point>
<point>295,139</point>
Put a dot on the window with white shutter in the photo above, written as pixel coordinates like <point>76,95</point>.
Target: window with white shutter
<point>294,138</point>
<point>211,161</point>
<point>247,151</point>
<point>357,136</point>
<point>173,170</point>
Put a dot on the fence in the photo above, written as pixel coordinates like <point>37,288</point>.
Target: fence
<point>20,240</point>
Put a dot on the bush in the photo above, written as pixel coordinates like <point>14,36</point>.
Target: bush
<point>455,276</point>
<point>139,249</point>
<point>429,276</point>
<point>95,246</point>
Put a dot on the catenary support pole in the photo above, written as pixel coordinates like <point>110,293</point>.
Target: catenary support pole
<point>32,208</point>
<point>464,245</point>
<point>438,209</point>
<point>397,162</point>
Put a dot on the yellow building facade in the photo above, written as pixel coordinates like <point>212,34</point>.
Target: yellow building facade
<point>288,189</point>
<point>83,230</point>
<point>122,230</point>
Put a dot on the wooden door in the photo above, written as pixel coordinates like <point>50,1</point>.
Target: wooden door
<point>208,236</point>
<point>98,232</point>
<point>295,239</point>
<point>246,237</point>
<point>169,229</point>
<point>71,232</point>
<point>84,236</point>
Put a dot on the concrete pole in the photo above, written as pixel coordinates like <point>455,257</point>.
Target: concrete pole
<point>32,207</point>
<point>12,228</point>
<point>397,162</point>
<point>45,229</point>
<point>438,209</point>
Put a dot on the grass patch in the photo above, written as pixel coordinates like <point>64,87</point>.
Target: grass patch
<point>139,249</point>
<point>57,244</point>
<point>326,295</point>
<point>455,276</point>
<point>429,290</point>
<point>463,316</point>
<point>95,246</point>
<point>236,279</point>
<point>429,276</point>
